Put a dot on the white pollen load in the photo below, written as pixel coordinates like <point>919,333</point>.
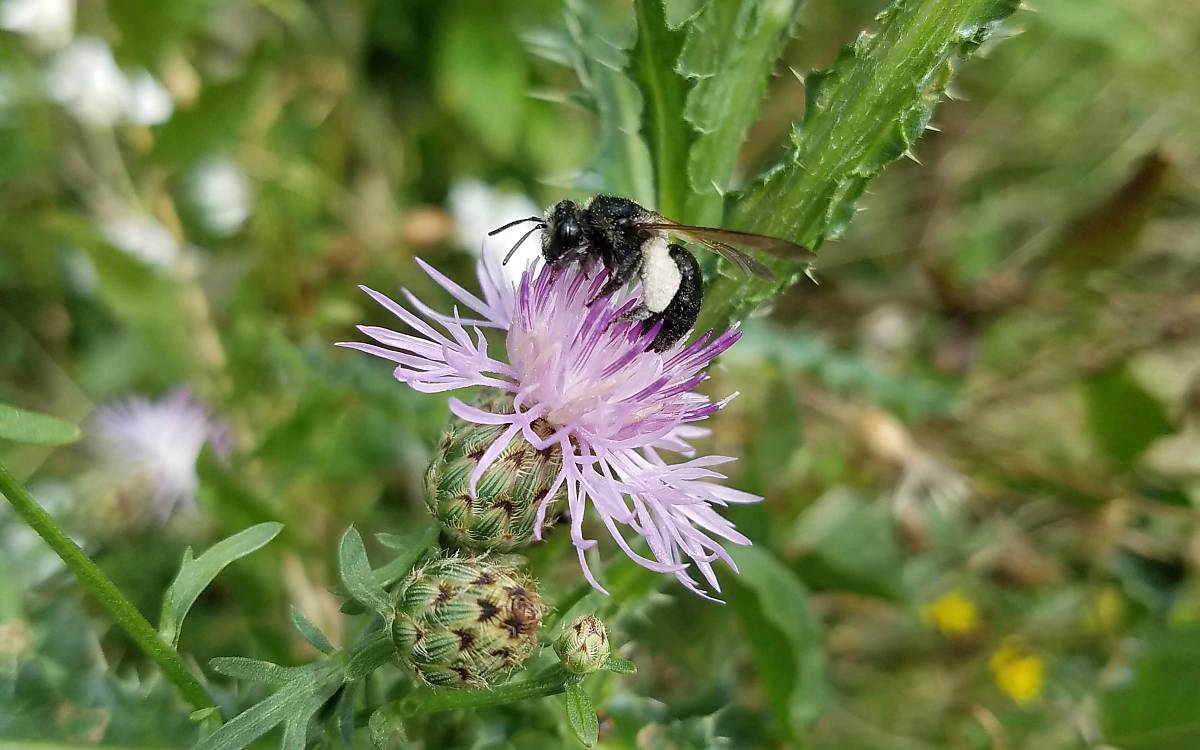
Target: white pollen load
<point>660,275</point>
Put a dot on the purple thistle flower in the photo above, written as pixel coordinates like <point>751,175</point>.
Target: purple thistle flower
<point>161,438</point>
<point>616,407</point>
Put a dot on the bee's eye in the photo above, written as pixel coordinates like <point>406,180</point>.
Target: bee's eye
<point>567,234</point>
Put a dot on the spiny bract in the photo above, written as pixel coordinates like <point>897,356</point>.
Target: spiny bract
<point>501,516</point>
<point>465,622</point>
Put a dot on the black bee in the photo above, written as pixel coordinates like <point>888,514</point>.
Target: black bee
<point>631,240</point>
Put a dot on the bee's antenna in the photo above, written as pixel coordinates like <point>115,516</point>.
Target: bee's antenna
<point>512,224</point>
<point>519,242</point>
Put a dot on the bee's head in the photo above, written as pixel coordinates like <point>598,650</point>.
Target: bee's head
<point>563,232</point>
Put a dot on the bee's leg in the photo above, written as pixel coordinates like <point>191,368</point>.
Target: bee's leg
<point>680,314</point>
<point>622,267</point>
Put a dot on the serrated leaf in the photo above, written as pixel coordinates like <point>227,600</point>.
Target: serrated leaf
<point>21,426</point>
<point>310,632</point>
<point>1123,418</point>
<point>653,63</point>
<point>357,575</point>
<point>731,48</point>
<point>622,162</point>
<point>581,715</point>
<point>195,575</point>
<point>864,112</point>
<point>619,666</point>
<point>784,636</point>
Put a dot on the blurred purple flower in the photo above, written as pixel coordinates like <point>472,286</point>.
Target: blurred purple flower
<point>161,438</point>
<point>616,407</point>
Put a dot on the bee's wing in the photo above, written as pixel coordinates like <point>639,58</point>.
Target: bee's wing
<point>719,240</point>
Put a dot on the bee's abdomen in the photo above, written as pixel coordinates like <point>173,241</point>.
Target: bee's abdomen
<point>681,313</point>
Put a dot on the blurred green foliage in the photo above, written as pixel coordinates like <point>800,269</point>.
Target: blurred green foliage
<point>994,391</point>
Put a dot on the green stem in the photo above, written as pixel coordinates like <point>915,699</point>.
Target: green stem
<point>552,681</point>
<point>93,579</point>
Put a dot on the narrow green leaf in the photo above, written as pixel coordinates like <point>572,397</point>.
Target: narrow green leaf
<point>653,65</point>
<point>310,632</point>
<point>295,732</point>
<point>373,652</point>
<point>730,51</point>
<point>622,162</point>
<point>22,426</point>
<point>357,575</point>
<point>413,547</point>
<point>253,670</point>
<point>865,111</point>
<point>195,575</point>
<point>295,701</point>
<point>783,634</point>
<point>581,715</point>
<point>619,666</point>
<point>1123,418</point>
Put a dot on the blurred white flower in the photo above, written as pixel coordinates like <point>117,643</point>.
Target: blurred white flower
<point>149,101</point>
<point>48,23</point>
<point>85,79</point>
<point>478,208</point>
<point>222,193</point>
<point>146,451</point>
<point>143,238</point>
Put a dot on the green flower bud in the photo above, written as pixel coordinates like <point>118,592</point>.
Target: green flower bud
<point>501,515</point>
<point>465,622</point>
<point>583,645</point>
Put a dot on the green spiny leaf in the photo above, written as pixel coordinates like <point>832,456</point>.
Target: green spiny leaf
<point>23,426</point>
<point>195,575</point>
<point>653,63</point>
<point>730,50</point>
<point>865,111</point>
<point>581,715</point>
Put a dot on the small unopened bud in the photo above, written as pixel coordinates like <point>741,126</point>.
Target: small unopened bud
<point>583,645</point>
<point>465,622</point>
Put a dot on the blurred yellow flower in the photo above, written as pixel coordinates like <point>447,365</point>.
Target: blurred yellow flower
<point>1019,672</point>
<point>952,613</point>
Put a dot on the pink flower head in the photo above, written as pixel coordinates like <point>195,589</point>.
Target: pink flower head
<point>162,437</point>
<point>616,407</point>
